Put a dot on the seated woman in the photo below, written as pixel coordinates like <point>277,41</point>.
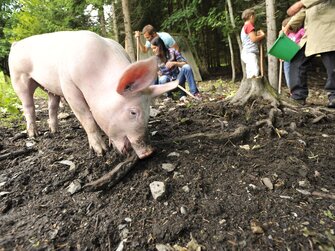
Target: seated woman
<point>172,65</point>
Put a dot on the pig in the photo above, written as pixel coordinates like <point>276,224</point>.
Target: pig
<point>97,79</point>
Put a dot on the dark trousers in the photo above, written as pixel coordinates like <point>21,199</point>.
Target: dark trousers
<point>298,73</point>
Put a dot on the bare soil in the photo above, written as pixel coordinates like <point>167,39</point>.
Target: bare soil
<point>266,189</point>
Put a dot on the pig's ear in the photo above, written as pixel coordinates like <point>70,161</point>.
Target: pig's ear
<point>156,90</point>
<point>138,76</point>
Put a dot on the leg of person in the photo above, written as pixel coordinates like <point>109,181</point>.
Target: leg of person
<point>163,80</point>
<point>182,79</point>
<point>298,76</point>
<point>287,73</point>
<point>328,59</point>
<point>187,71</point>
<point>251,64</point>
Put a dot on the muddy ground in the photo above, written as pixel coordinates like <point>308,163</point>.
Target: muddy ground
<point>268,188</point>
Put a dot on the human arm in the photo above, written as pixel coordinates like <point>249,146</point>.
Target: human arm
<point>142,47</point>
<point>295,8</point>
<point>256,36</point>
<point>296,22</point>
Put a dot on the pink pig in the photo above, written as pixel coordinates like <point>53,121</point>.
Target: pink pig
<point>94,74</point>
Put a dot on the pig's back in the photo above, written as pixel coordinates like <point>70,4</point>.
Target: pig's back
<point>73,55</point>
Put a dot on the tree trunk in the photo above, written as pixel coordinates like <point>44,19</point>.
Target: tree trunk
<point>271,38</point>
<point>237,35</point>
<point>232,60</point>
<point>253,88</point>
<point>101,15</point>
<point>129,42</point>
<point>114,24</point>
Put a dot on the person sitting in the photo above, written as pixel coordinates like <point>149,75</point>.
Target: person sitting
<point>171,66</point>
<point>150,33</point>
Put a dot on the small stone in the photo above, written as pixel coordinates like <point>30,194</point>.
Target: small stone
<point>183,210</point>
<point>168,167</point>
<point>157,189</point>
<point>245,147</point>
<point>255,228</point>
<point>173,154</point>
<point>63,115</point>
<point>162,247</point>
<point>30,143</point>
<point>293,126</point>
<point>186,189</point>
<point>267,182</point>
<point>68,163</point>
<point>154,112</point>
<point>74,187</point>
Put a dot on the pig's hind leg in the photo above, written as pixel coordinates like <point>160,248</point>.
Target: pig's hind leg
<point>53,105</point>
<point>25,87</point>
<point>78,104</point>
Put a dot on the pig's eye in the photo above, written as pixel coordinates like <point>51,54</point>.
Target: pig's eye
<point>133,113</point>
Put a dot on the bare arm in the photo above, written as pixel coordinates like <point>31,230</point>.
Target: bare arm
<point>143,48</point>
<point>295,8</point>
<point>256,36</point>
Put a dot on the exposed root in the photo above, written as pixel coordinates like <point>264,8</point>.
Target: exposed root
<point>239,133</point>
<point>17,153</point>
<point>114,176</point>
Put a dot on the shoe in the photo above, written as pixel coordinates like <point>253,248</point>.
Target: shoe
<point>183,99</point>
<point>167,100</point>
<point>299,101</point>
<point>331,103</point>
<point>197,96</point>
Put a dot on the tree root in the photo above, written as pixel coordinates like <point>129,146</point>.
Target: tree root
<point>239,133</point>
<point>111,178</point>
<point>17,153</point>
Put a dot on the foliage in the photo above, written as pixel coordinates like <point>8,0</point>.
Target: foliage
<point>42,16</point>
<point>9,103</point>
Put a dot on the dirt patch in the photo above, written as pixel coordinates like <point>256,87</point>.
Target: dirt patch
<point>270,189</point>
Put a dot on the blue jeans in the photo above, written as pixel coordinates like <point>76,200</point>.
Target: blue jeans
<point>287,73</point>
<point>185,74</point>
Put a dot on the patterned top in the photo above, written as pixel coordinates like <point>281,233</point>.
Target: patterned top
<point>172,73</point>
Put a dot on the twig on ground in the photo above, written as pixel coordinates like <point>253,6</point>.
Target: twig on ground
<point>115,175</point>
<point>17,153</point>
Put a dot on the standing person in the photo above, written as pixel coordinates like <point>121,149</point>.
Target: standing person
<point>319,36</point>
<point>295,36</point>
<point>150,33</point>
<point>172,65</point>
<point>250,38</point>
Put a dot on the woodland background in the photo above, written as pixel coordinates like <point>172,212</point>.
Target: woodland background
<point>212,27</point>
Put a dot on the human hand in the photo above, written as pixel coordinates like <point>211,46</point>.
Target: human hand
<point>169,64</point>
<point>260,33</point>
<point>137,34</point>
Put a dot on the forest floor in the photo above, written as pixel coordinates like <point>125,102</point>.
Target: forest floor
<point>269,189</point>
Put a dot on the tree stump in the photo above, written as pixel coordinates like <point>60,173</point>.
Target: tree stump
<point>252,88</point>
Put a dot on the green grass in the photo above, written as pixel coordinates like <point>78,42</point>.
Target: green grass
<point>10,105</point>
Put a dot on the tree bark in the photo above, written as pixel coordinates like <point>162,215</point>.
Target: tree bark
<point>237,35</point>
<point>114,24</point>
<point>271,38</point>
<point>129,42</point>
<point>101,15</point>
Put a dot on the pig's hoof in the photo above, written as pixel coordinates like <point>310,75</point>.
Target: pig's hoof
<point>146,154</point>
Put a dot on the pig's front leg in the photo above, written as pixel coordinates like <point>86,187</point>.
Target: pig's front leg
<point>53,105</point>
<point>82,111</point>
